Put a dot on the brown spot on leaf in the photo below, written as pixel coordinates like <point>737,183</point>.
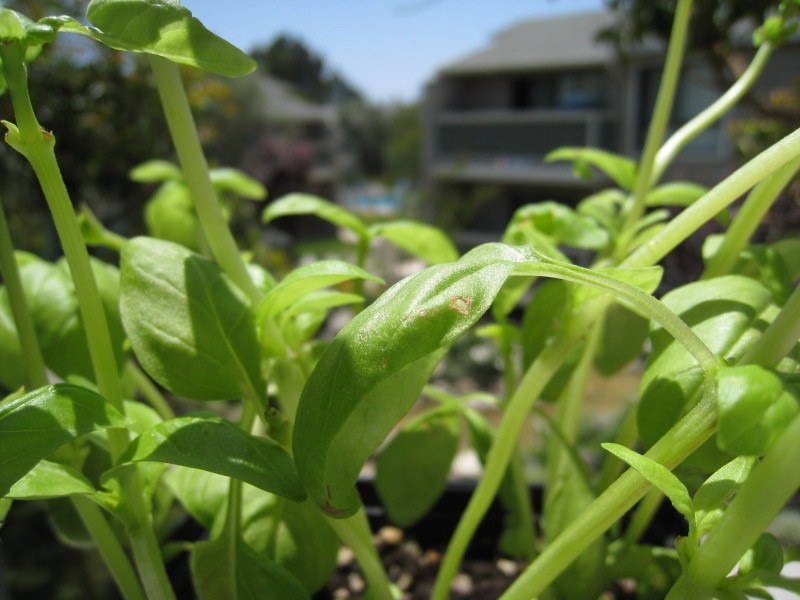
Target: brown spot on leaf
<point>460,304</point>
<point>330,509</point>
<point>422,313</point>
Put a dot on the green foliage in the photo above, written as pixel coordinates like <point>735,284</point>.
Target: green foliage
<point>181,311</point>
<point>39,423</point>
<point>213,444</point>
<point>411,471</point>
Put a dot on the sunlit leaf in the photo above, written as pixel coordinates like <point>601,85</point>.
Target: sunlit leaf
<point>620,169</point>
<point>306,204</point>
<point>50,480</point>
<point>425,241</point>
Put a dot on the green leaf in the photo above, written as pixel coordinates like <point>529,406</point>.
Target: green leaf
<point>214,444</point>
<point>13,25</point>
<point>309,278</point>
<point>558,223</point>
<point>50,480</point>
<point>203,494</point>
<point>544,317</point>
<point>235,181</point>
<point>36,424</point>
<point>373,371</point>
<point>712,494</point>
<point>306,204</point>
<point>620,169</point>
<point>169,215</point>
<point>159,27</point>
<point>728,314</point>
<point>411,471</point>
<point>604,208</point>
<point>754,408</point>
<point>676,193</point>
<point>624,335</point>
<point>153,171</point>
<point>424,241</point>
<point>190,328</point>
<point>659,476</point>
<point>764,559</point>
<point>320,300</point>
<point>221,574</point>
<point>300,541</point>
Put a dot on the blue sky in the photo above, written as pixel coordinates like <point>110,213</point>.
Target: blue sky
<point>386,48</point>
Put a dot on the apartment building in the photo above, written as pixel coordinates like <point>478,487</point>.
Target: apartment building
<point>491,117</point>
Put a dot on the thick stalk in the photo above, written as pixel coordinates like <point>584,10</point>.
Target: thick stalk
<point>31,352</point>
<point>712,113</point>
<point>355,533</point>
<point>37,146</point>
<point>717,198</point>
<point>195,170</point>
<point>770,485</point>
<point>680,441</point>
<point>748,219</point>
<point>661,113</point>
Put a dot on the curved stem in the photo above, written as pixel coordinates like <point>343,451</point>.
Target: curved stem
<point>355,533</point>
<point>768,487</point>
<point>680,441</point>
<point>661,111</point>
<point>31,351</point>
<point>712,113</point>
<point>653,308</point>
<point>195,170</point>
<point>720,196</point>
<point>748,219</point>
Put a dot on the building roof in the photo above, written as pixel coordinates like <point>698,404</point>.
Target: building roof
<point>538,44</point>
<point>281,102</point>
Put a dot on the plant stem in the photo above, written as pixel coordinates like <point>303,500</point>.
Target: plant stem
<point>355,533</point>
<point>612,466</point>
<point>110,550</point>
<point>769,486</point>
<point>661,113</point>
<point>680,441</point>
<point>779,338</point>
<point>37,146</point>
<point>532,384</point>
<point>31,351</point>
<point>720,196</point>
<point>151,393</point>
<point>748,219</point>
<point>712,113</point>
<point>195,170</point>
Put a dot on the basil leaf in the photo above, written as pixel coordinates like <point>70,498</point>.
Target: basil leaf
<point>424,241</point>
<point>190,328</point>
<point>36,424</point>
<point>373,371</point>
<point>307,204</point>
<point>411,471</point>
<point>160,27</point>
<point>214,444</point>
<point>620,169</point>
<point>50,480</point>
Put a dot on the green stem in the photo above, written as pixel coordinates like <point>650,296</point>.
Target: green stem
<point>110,549</point>
<point>661,113</point>
<point>37,146</point>
<point>653,308</point>
<point>712,113</point>
<point>748,219</point>
<point>770,485</point>
<point>195,170</point>
<point>680,441</point>
<point>716,199</point>
<point>355,534</point>
<point>532,384</point>
<point>151,393</point>
<point>779,338</point>
<point>31,351</point>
